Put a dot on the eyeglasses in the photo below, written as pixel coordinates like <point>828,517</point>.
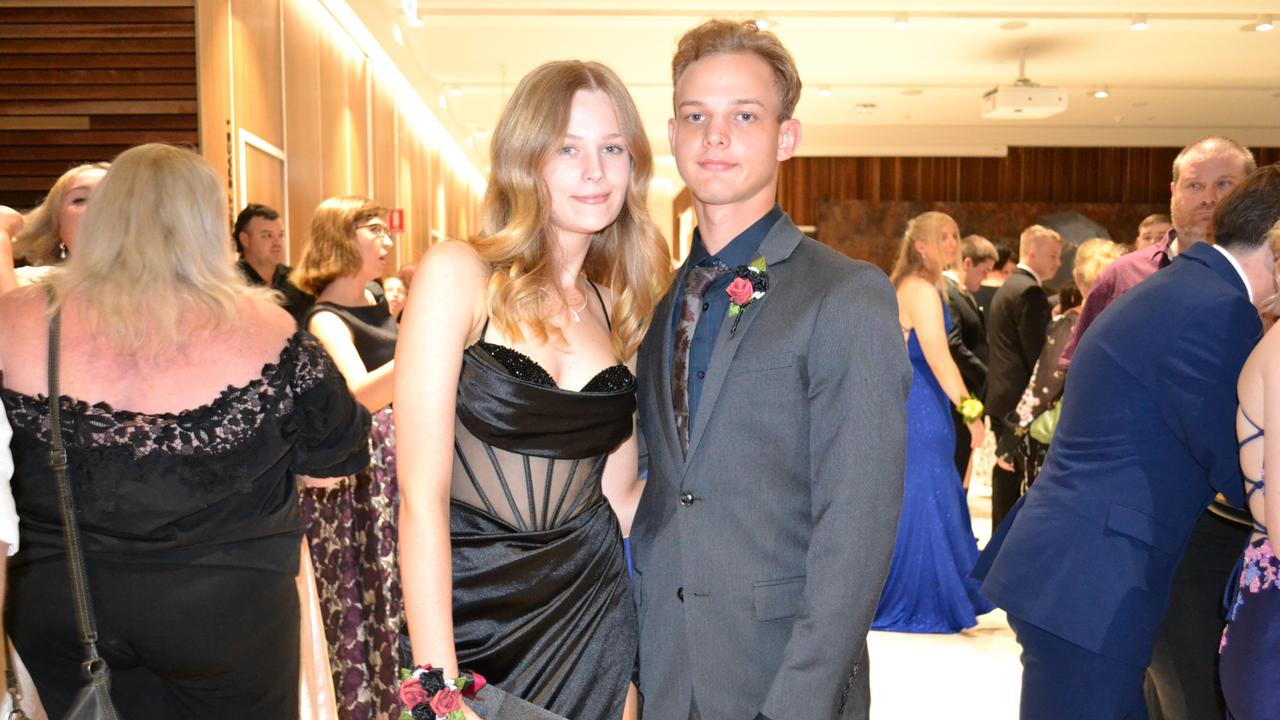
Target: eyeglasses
<point>378,229</point>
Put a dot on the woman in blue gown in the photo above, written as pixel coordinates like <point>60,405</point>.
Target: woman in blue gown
<point>929,589</point>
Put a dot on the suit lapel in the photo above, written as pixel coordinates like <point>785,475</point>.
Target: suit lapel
<point>776,248</point>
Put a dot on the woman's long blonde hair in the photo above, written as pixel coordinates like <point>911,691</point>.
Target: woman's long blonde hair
<point>517,237</point>
<point>925,227</point>
<point>153,264</point>
<point>40,239</point>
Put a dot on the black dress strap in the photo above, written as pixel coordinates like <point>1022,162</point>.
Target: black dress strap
<point>602,305</point>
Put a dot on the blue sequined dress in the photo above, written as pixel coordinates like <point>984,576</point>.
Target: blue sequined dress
<point>929,589</point>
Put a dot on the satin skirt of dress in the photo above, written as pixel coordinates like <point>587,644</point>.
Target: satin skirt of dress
<point>546,616</point>
<point>1250,662</point>
<point>315,680</point>
<point>929,589</point>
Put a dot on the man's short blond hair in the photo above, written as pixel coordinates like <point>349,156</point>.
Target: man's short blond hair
<point>721,37</point>
<point>1036,237</point>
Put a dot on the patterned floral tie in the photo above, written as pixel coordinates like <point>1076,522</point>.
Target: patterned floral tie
<point>695,286</point>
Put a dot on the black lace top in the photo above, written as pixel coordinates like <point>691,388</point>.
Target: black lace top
<point>212,485</point>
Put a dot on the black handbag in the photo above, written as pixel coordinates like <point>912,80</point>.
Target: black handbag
<point>93,702</point>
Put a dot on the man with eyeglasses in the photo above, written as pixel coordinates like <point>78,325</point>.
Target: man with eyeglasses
<point>259,236</point>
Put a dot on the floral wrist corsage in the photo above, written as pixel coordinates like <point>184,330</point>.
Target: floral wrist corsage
<point>427,695</point>
<point>971,409</point>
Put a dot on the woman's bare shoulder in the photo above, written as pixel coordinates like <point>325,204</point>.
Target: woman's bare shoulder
<point>915,289</point>
<point>454,257</point>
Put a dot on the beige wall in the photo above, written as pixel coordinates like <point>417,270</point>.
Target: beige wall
<point>294,111</point>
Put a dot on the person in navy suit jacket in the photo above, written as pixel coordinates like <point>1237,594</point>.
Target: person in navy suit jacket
<point>1084,563</point>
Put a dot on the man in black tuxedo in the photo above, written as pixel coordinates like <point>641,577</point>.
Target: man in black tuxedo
<point>1020,314</point>
<point>968,334</point>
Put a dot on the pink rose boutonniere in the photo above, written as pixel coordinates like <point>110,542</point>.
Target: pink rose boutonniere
<point>749,284</point>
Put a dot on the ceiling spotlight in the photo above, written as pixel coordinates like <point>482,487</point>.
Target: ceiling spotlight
<point>824,91</point>
<point>453,90</point>
<point>398,34</point>
<point>1101,93</point>
<point>901,21</point>
<point>1264,24</point>
<point>1139,22</point>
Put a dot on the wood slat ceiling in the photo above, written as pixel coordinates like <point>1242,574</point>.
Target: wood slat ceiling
<point>82,81</point>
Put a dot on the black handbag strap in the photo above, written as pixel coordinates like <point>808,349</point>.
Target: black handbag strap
<point>88,629</point>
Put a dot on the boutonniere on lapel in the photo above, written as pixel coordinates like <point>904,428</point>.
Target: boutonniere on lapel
<point>750,283</point>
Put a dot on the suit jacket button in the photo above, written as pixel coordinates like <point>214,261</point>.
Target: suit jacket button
<point>680,593</point>
<point>686,498</point>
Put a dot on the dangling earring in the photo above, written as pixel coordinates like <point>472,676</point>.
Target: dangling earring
<point>62,251</point>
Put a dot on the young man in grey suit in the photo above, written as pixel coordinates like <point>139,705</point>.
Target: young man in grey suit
<point>773,383</point>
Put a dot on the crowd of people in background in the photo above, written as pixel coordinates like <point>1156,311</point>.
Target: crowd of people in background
<point>266,537</point>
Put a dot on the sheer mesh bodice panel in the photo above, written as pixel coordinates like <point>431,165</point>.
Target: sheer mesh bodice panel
<point>524,491</point>
<point>527,452</point>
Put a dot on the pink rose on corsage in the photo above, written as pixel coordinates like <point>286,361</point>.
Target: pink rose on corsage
<point>750,283</point>
<point>740,291</point>
<point>446,701</point>
<point>411,693</point>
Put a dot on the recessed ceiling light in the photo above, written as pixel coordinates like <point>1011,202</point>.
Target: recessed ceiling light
<point>398,34</point>
<point>1101,93</point>
<point>453,90</point>
<point>1139,22</point>
<point>824,91</point>
<point>444,103</point>
<point>901,21</point>
<point>1264,24</point>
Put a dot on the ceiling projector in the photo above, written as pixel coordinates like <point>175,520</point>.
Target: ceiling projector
<point>1023,102</point>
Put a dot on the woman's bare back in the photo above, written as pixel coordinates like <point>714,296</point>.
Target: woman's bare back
<point>209,361</point>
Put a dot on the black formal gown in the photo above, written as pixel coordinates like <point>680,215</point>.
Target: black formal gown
<point>541,602</point>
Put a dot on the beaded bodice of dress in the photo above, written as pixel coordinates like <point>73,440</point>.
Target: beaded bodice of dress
<point>527,452</point>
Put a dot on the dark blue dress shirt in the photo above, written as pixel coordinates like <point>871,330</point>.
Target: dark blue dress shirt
<point>715,303</point>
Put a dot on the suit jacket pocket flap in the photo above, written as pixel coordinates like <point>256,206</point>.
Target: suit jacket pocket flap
<point>765,361</point>
<point>1142,526</point>
<point>776,599</point>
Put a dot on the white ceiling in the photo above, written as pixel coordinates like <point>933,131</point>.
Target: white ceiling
<point>1199,67</point>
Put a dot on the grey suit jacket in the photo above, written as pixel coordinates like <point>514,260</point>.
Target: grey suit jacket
<point>759,561</point>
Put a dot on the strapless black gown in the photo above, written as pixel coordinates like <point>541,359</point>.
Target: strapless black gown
<point>541,601</point>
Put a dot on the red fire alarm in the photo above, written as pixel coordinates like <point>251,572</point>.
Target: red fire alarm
<point>395,220</point>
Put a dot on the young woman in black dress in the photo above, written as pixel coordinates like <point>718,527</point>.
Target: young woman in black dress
<point>515,405</point>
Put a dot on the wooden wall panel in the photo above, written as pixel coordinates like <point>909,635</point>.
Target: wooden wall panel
<point>256,68</point>
<point>264,178</point>
<point>59,108</point>
<point>302,102</point>
<point>1055,175</point>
